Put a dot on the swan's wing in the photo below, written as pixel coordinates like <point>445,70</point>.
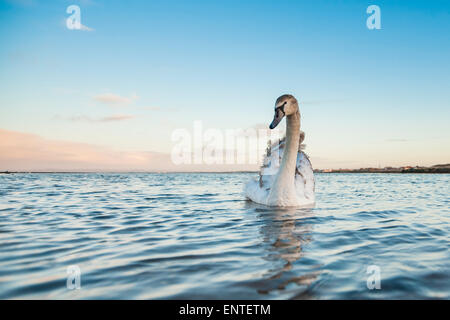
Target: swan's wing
<point>304,178</point>
<point>258,190</point>
<point>274,154</point>
<point>272,160</point>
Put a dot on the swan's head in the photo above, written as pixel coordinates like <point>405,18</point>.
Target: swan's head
<point>285,105</point>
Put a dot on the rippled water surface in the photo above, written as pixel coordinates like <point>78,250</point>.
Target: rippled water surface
<point>188,236</point>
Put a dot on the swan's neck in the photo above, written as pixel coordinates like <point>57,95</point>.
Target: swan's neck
<point>284,182</point>
<point>289,161</point>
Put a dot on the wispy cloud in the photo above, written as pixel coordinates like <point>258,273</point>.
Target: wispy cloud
<point>119,117</point>
<point>29,152</point>
<point>113,118</point>
<point>21,151</point>
<point>85,28</point>
<point>114,99</point>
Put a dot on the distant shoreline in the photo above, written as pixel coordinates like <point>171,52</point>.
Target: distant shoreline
<point>439,168</point>
<point>208,172</point>
<point>108,172</point>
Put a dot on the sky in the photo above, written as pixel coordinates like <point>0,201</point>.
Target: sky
<point>109,96</point>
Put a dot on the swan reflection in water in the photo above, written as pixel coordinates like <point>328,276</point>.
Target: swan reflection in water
<point>284,232</point>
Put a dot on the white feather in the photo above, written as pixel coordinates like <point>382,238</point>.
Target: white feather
<point>258,190</point>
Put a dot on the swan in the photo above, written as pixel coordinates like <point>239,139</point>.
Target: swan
<point>290,183</point>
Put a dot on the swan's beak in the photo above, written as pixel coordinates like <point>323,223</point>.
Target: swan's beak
<point>279,114</point>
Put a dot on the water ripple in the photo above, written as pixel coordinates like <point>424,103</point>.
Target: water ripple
<point>188,236</point>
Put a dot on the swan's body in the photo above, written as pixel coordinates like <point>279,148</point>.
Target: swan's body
<point>289,182</point>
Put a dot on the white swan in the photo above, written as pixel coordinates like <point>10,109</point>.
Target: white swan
<point>291,182</point>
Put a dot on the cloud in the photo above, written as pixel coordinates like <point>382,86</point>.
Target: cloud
<point>85,28</point>
<point>114,99</point>
<point>116,118</point>
<point>113,118</point>
<point>30,152</point>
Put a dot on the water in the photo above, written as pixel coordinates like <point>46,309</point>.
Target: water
<point>189,236</point>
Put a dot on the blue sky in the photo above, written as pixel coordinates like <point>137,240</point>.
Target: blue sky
<point>367,97</point>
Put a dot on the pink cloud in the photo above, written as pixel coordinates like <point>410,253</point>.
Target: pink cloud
<point>113,118</point>
<point>114,99</point>
<point>30,152</point>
